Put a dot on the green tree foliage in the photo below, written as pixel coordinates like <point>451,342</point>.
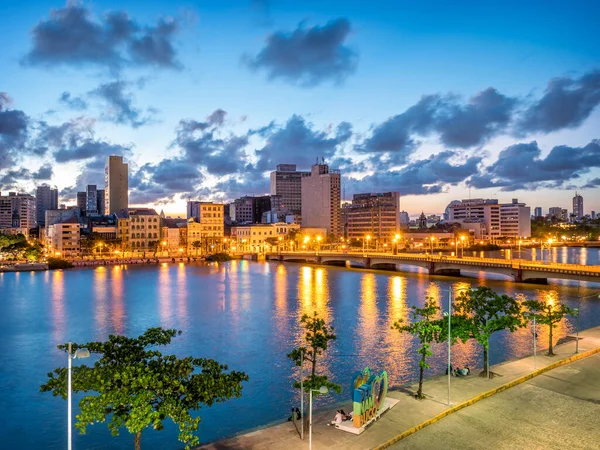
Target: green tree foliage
<point>547,313</point>
<point>59,263</point>
<point>17,247</point>
<point>317,336</point>
<point>136,387</point>
<point>482,312</point>
<point>426,328</point>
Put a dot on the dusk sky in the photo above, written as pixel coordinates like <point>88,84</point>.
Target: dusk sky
<point>437,100</point>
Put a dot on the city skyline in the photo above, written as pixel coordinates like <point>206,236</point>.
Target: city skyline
<point>201,114</point>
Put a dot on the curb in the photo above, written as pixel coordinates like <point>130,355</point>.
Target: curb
<point>487,394</point>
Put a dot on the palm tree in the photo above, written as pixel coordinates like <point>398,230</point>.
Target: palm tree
<point>196,245</point>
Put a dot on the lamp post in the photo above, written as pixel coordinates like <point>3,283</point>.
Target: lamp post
<point>462,247</point>
<point>79,353</point>
<point>368,237</point>
<point>319,243</point>
<point>534,344</point>
<point>520,242</point>
<point>321,390</point>
<point>449,315</point>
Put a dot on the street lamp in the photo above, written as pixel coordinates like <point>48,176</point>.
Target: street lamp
<point>368,238</point>
<point>462,248</point>
<point>79,353</point>
<point>432,238</point>
<point>164,243</point>
<point>449,315</point>
<point>319,243</point>
<point>321,390</point>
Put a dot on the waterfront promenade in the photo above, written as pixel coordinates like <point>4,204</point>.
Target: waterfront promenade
<point>410,414</point>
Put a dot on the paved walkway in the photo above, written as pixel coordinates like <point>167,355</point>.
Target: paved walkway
<point>556,410</point>
<point>408,412</point>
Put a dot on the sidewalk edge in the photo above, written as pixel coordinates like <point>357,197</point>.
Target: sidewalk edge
<point>487,394</point>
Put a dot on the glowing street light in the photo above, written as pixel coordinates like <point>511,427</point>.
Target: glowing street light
<point>462,249</point>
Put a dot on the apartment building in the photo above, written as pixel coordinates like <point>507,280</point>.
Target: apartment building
<point>252,238</point>
<point>17,211</point>
<point>321,199</point>
<point>286,182</point>
<point>63,238</point>
<point>374,214</point>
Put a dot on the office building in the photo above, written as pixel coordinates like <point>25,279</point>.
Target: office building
<point>594,216</point>
<point>557,213</point>
<point>17,211</point>
<point>53,216</point>
<point>537,212</point>
<point>577,207</point>
<point>82,202</point>
<point>100,194</point>
<point>116,185</point>
<point>487,219</point>
<point>91,199</point>
<point>286,181</point>
<point>321,199</point>
<point>404,219</point>
<point>45,198</point>
<point>63,238</point>
<point>249,209</point>
<point>376,215</point>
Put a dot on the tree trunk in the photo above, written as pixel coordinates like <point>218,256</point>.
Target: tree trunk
<point>485,360</point>
<point>137,440</point>
<point>550,352</point>
<point>314,362</point>
<point>421,372</point>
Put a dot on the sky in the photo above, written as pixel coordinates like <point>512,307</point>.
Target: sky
<point>437,100</point>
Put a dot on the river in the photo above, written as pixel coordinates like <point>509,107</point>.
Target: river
<point>243,314</point>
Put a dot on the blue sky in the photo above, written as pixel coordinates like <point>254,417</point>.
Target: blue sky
<point>204,98</point>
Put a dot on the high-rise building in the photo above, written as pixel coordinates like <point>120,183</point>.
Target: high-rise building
<point>45,198</point>
<point>577,207</point>
<point>377,215</point>
<point>594,216</point>
<point>82,201</point>
<point>558,213</point>
<point>538,212</point>
<point>489,220</point>
<point>193,210</point>
<point>404,219</point>
<point>249,209</point>
<point>205,235</point>
<point>116,185</point>
<point>100,202</point>
<point>321,199</point>
<point>91,202</point>
<point>286,181</point>
<point>17,211</point>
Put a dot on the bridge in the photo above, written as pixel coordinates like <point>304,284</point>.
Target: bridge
<point>520,271</point>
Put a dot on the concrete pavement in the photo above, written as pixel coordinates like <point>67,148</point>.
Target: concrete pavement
<point>410,413</point>
<point>556,410</point>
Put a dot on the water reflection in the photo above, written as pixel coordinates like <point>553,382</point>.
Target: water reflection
<point>182,295</point>
<point>396,343</point>
<point>164,295</point>
<point>118,310</point>
<point>58,304</point>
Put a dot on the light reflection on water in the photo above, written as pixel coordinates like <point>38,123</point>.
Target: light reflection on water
<point>243,314</point>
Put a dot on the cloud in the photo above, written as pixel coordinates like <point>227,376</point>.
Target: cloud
<point>594,183</point>
<point>14,132</point>
<point>458,124</point>
<point>72,36</point>
<point>427,176</point>
<point>308,57</point>
<point>566,103</point>
<point>521,166</point>
<point>120,105</point>
<point>15,176</point>
<point>202,145</point>
<point>299,142</point>
<point>75,103</point>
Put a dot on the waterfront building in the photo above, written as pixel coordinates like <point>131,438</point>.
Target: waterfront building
<point>63,238</point>
<point>105,226</point>
<point>138,229</point>
<point>172,235</point>
<point>321,199</point>
<point>45,198</point>
<point>249,209</point>
<point>53,216</point>
<point>374,214</point>
<point>252,238</point>
<point>577,207</point>
<point>17,211</point>
<point>537,212</point>
<point>488,219</point>
<point>116,183</point>
<point>208,231</point>
<point>286,182</point>
<point>82,202</point>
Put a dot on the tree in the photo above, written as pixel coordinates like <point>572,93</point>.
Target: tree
<point>196,245</point>
<point>547,313</point>
<point>426,329</point>
<point>137,387</point>
<point>317,336</point>
<point>483,312</point>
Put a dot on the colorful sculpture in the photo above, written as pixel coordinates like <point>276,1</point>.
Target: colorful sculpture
<point>368,393</point>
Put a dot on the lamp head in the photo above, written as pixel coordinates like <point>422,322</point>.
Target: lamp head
<point>82,353</point>
<point>323,390</point>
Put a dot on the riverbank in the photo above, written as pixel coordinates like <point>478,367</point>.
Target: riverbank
<point>24,267</point>
<point>410,415</point>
